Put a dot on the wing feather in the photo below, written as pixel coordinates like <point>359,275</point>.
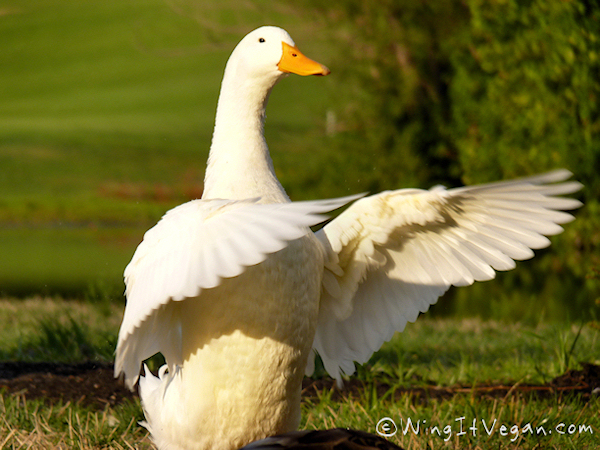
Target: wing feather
<point>195,247</point>
<point>392,255</point>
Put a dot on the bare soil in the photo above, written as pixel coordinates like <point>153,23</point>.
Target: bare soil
<point>92,384</point>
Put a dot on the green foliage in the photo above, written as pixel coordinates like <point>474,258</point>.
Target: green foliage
<point>594,319</point>
<point>392,81</point>
<point>467,92</point>
<point>472,91</point>
<point>525,90</point>
<point>525,98</point>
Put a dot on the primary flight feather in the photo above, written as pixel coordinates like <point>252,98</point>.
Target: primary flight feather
<point>237,292</point>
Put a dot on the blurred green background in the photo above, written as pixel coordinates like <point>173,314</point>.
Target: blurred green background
<point>107,109</point>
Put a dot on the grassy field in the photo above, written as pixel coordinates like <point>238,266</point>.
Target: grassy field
<point>105,123</point>
<point>106,103</point>
<point>432,352</point>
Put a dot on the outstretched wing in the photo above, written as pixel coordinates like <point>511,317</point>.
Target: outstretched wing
<point>392,255</point>
<point>194,247</point>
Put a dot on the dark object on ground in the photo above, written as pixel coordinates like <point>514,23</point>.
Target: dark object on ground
<point>588,378</point>
<point>335,439</point>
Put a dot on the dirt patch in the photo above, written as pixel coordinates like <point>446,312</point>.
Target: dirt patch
<point>585,382</point>
<point>89,384</point>
<point>92,384</point>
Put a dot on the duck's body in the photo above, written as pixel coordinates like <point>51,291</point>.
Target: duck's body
<point>239,372</point>
<point>235,290</point>
<point>242,370</point>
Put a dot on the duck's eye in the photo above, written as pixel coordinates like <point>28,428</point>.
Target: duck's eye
<point>261,40</point>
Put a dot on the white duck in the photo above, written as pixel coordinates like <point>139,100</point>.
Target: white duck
<point>235,290</point>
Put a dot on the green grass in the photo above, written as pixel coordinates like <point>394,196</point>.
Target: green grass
<point>121,92</point>
<point>71,260</point>
<point>452,351</point>
<point>450,415</point>
<point>34,424</point>
<point>438,352</point>
<point>105,122</point>
<point>43,329</point>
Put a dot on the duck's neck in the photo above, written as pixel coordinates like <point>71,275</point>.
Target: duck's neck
<point>239,164</point>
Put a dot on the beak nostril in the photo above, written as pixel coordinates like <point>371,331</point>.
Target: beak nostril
<point>293,61</point>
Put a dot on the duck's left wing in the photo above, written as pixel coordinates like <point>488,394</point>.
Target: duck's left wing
<point>392,255</point>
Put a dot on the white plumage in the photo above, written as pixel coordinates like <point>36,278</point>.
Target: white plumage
<point>393,254</point>
<point>234,289</point>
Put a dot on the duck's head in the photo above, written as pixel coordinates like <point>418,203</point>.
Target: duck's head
<point>269,53</point>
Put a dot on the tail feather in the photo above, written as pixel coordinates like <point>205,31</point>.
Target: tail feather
<point>152,395</point>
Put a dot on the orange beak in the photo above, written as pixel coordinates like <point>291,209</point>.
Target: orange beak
<point>293,61</point>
